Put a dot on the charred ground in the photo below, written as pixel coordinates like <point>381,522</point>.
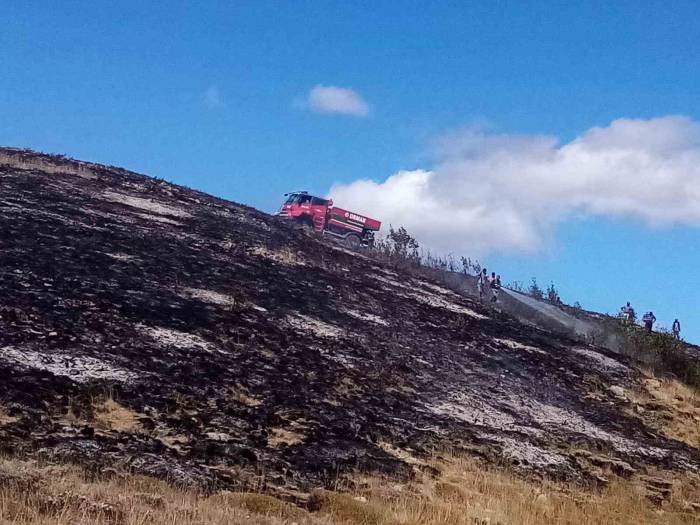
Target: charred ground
<point>253,355</point>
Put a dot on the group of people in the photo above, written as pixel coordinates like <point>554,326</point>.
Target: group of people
<point>627,314</point>
<point>489,286</point>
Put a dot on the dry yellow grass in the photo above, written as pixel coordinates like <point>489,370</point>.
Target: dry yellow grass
<point>282,255</point>
<point>670,406</point>
<point>5,418</point>
<point>46,165</point>
<point>110,415</point>
<point>106,414</point>
<point>241,395</point>
<point>261,505</point>
<point>467,493</point>
<point>344,508</point>
<point>464,494</point>
<point>36,494</point>
<point>280,436</point>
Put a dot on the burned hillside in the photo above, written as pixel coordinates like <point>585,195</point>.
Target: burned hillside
<point>236,351</point>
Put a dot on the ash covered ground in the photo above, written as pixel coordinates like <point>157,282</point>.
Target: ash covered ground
<point>253,354</point>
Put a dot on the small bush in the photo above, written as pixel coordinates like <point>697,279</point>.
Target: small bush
<point>534,290</point>
<point>663,352</point>
<point>553,294</point>
<point>400,249</point>
<point>469,266</point>
<point>516,286</point>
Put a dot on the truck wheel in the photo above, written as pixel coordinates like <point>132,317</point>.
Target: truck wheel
<point>305,224</point>
<point>353,242</point>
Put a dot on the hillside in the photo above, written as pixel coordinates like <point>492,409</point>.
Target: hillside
<point>155,328</point>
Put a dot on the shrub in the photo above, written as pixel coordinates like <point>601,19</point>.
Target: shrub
<point>401,249</point>
<point>403,244</point>
<point>469,266</point>
<point>663,352</point>
<point>398,247</point>
<point>534,290</point>
<point>517,286</point>
<point>553,294</point>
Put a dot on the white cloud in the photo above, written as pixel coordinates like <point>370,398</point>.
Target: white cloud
<point>497,192</point>
<point>331,99</point>
<point>212,98</point>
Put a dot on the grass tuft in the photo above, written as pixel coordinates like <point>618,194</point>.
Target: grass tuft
<point>344,507</point>
<point>260,504</point>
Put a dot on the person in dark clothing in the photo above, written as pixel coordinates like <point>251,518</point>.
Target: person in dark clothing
<point>495,287</point>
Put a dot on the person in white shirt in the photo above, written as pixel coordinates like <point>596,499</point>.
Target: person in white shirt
<point>676,329</point>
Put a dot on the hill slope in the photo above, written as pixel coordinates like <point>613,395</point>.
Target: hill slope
<point>151,326</point>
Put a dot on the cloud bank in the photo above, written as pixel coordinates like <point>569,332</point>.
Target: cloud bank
<point>497,192</point>
<point>331,99</point>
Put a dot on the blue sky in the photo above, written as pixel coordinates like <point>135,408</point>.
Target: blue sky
<point>215,96</point>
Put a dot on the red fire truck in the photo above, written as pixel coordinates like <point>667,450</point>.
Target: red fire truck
<point>318,214</point>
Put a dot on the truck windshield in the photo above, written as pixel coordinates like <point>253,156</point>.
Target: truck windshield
<point>298,198</point>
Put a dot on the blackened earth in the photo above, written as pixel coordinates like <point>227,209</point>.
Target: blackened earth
<point>254,354</point>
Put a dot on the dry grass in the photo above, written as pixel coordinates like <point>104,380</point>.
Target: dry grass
<point>35,494</point>
<point>103,413</point>
<point>280,436</point>
<point>110,415</point>
<point>670,406</point>
<point>261,504</point>
<point>284,255</point>
<point>241,395</point>
<point>404,455</point>
<point>344,508</point>
<point>5,418</point>
<point>465,494</point>
<point>46,165</point>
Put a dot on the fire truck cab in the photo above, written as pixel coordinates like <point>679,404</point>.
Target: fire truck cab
<point>320,215</point>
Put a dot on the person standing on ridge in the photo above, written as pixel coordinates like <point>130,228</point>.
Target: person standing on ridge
<point>495,287</point>
<point>649,319</point>
<point>490,280</point>
<point>481,283</point>
<point>628,313</point>
<point>676,329</point>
